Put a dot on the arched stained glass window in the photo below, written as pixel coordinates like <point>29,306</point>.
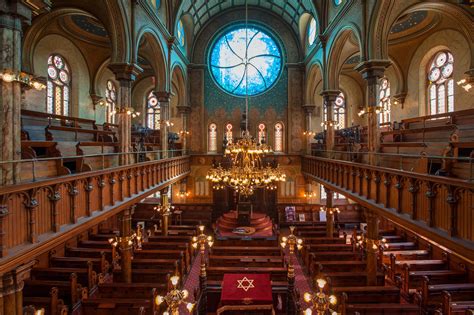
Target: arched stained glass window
<point>153,116</point>
<point>229,137</point>
<point>278,147</point>
<point>111,102</point>
<point>441,83</point>
<point>339,112</point>
<point>384,102</point>
<point>212,140</point>
<point>311,31</point>
<point>180,33</point>
<point>59,86</point>
<point>262,133</point>
<point>245,61</point>
<point>324,195</point>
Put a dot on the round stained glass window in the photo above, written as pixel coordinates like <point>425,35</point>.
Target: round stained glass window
<point>245,61</point>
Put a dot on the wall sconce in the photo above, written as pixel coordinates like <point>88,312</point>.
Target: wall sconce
<point>167,123</point>
<point>309,194</point>
<point>308,133</point>
<point>183,194</point>
<point>184,133</point>
<point>328,123</point>
<point>37,83</point>
<point>465,84</point>
<point>130,111</point>
<point>370,109</point>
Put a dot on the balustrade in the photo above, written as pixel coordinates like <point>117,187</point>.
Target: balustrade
<point>441,206</point>
<point>34,215</point>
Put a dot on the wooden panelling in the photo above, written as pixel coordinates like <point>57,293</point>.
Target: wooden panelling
<point>441,206</point>
<point>32,210</point>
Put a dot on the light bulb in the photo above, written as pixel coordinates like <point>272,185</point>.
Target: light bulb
<point>332,299</point>
<point>159,299</point>
<point>308,312</point>
<point>174,280</point>
<point>190,307</point>
<point>321,283</point>
<point>307,297</point>
<point>185,294</point>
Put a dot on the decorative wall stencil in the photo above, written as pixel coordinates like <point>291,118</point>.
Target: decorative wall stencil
<point>89,25</point>
<point>409,21</point>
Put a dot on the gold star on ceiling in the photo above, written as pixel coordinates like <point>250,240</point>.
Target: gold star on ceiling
<point>249,284</point>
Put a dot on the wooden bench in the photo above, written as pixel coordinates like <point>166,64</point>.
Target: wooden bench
<point>432,293</point>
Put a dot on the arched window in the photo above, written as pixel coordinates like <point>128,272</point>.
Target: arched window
<point>180,33</point>
<point>441,83</point>
<point>262,133</point>
<point>212,140</point>
<point>229,137</point>
<point>111,102</point>
<point>59,86</point>
<point>153,116</point>
<point>339,112</point>
<point>384,102</point>
<point>278,138</point>
<point>311,31</point>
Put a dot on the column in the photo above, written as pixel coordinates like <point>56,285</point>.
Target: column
<point>329,213</point>
<point>184,111</point>
<point>125,75</point>
<point>165,214</point>
<point>11,289</point>
<point>371,247</point>
<point>126,249</point>
<point>329,97</point>
<point>12,15</point>
<point>372,71</point>
<point>308,109</point>
<point>164,99</point>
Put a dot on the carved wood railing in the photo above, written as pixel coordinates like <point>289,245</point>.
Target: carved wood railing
<point>442,208</point>
<point>33,215</point>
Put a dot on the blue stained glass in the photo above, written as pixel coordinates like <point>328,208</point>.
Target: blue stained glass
<point>180,33</point>
<point>245,61</point>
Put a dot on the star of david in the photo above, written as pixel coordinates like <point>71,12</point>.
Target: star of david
<point>248,284</point>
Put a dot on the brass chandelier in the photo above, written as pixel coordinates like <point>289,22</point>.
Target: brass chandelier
<point>247,171</point>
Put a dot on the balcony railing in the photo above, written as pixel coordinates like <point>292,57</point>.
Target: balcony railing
<point>33,215</point>
<point>441,206</point>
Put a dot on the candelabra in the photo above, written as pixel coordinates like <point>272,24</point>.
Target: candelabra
<point>370,109</point>
<point>330,210</point>
<point>291,241</point>
<point>122,243</point>
<point>361,242</point>
<point>321,302</point>
<point>174,298</point>
<point>201,241</point>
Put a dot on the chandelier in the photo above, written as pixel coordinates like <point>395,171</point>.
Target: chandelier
<point>247,171</point>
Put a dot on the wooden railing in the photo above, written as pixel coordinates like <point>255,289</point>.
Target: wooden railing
<point>441,208</point>
<point>33,215</point>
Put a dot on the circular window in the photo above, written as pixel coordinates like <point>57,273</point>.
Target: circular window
<point>337,2</point>
<point>312,31</point>
<point>245,61</point>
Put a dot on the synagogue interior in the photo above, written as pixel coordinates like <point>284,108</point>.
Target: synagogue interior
<point>258,157</point>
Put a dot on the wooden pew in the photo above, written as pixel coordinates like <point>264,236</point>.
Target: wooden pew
<point>52,305</point>
<point>452,306</point>
<point>432,293</point>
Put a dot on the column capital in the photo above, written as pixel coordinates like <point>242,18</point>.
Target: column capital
<point>171,40</point>
<point>184,109</point>
<point>125,71</point>
<point>330,95</point>
<point>162,96</point>
<point>372,68</point>
<point>309,108</point>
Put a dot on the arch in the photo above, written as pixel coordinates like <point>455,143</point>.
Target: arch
<point>212,137</point>
<point>303,25</point>
<point>178,76</point>
<point>112,22</point>
<point>153,50</point>
<point>388,12</point>
<point>279,137</point>
<point>313,79</point>
<point>337,55</point>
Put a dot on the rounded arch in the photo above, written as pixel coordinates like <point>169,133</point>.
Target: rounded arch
<point>337,54</point>
<point>387,13</point>
<point>303,25</point>
<point>313,78</point>
<point>112,22</point>
<point>149,45</point>
<point>179,79</point>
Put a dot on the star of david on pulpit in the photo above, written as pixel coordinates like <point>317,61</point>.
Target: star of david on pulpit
<point>245,284</point>
<point>246,289</point>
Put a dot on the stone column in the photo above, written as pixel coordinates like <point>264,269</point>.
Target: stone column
<point>329,97</point>
<point>164,99</point>
<point>371,245</point>
<point>125,75</point>
<point>372,71</point>
<point>329,213</point>
<point>165,216</point>
<point>12,15</point>
<point>126,249</point>
<point>11,289</point>
<point>184,111</point>
<point>308,109</point>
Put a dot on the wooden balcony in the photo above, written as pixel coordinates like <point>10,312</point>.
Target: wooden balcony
<point>440,208</point>
<point>34,215</point>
